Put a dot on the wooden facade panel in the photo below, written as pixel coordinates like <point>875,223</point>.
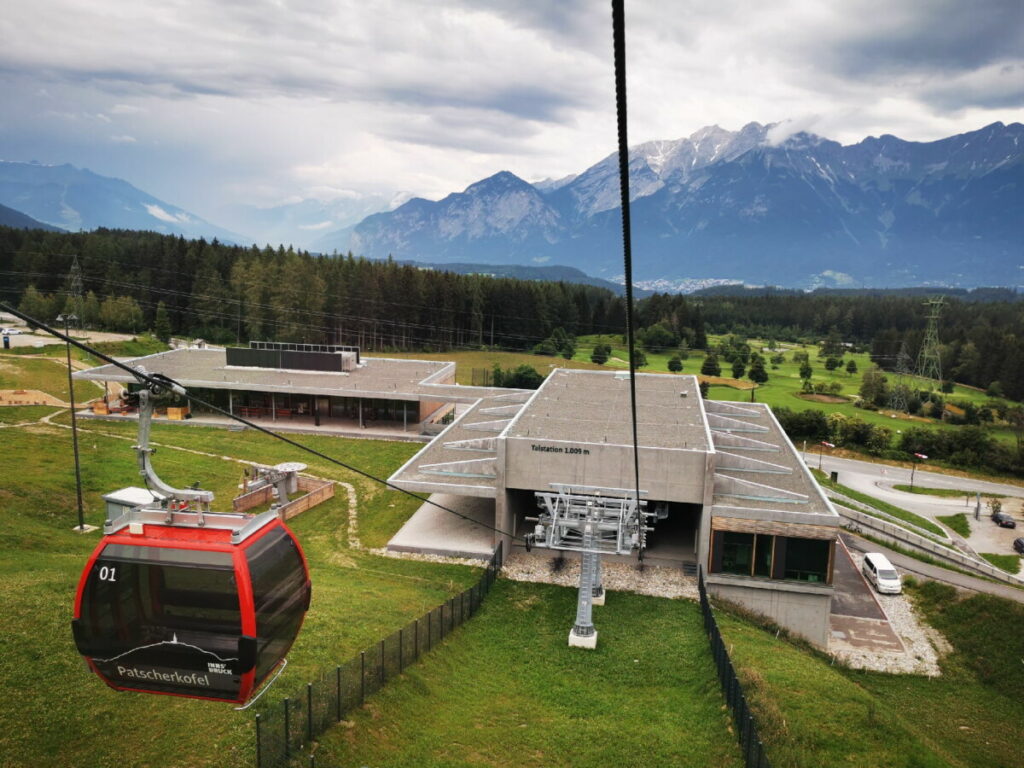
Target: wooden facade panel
<point>773,528</point>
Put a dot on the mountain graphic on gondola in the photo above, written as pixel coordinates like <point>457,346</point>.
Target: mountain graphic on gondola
<point>174,644</point>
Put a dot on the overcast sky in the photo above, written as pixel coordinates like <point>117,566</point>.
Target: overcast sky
<point>204,102</point>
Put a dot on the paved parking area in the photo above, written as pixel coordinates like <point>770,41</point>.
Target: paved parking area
<point>858,621</point>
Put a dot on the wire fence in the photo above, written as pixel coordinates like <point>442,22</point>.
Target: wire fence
<point>746,728</point>
<point>285,730</point>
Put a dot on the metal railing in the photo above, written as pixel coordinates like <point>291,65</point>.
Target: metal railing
<point>850,503</point>
<point>746,728</point>
<point>901,536</point>
<point>285,730</point>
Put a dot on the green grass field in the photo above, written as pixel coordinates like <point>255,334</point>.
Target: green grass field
<point>949,493</point>
<point>506,690</point>
<point>957,522</point>
<point>57,713</point>
<point>1008,563</point>
<point>815,714</point>
<point>21,414</point>
<point>45,375</point>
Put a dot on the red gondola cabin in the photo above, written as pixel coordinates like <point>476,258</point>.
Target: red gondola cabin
<point>207,612</point>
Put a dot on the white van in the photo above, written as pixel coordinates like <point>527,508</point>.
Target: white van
<point>879,571</point>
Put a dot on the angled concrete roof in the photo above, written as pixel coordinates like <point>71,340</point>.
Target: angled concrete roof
<point>758,470</point>
<point>463,458</point>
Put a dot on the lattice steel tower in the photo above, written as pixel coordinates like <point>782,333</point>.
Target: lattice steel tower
<point>900,387</point>
<point>929,364</point>
<point>75,299</point>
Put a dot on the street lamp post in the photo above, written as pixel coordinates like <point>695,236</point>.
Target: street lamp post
<point>918,458</point>
<point>66,319</point>
<point>821,450</point>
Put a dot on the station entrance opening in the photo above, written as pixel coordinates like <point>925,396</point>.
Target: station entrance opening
<point>673,542</point>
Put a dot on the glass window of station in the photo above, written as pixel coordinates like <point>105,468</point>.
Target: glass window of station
<point>772,557</point>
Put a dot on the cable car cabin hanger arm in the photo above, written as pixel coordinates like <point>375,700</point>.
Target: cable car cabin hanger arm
<point>144,399</point>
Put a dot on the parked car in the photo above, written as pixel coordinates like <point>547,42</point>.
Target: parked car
<point>10,332</point>
<point>1018,546</point>
<point>879,571</point>
<point>1003,520</point>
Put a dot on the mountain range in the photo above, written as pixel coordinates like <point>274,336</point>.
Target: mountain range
<point>750,205</point>
<point>74,199</point>
<point>754,206</point>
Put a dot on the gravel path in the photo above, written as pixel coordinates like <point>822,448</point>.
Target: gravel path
<point>616,577</point>
<point>924,645</point>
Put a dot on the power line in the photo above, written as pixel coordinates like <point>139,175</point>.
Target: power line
<point>161,382</point>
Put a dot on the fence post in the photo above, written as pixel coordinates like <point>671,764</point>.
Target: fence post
<point>362,678</point>
<point>309,712</point>
<point>287,730</point>
<point>259,746</point>
<point>337,673</point>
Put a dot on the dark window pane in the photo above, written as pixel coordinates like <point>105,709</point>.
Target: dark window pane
<point>763,555</point>
<point>162,627</point>
<point>279,592</point>
<point>807,559</point>
<point>737,552</point>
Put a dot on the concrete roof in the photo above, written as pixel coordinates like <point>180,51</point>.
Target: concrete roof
<point>594,407</point>
<point>787,485</point>
<point>379,377</point>
<point>463,458</point>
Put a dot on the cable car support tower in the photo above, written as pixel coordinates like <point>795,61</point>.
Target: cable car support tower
<point>593,521</point>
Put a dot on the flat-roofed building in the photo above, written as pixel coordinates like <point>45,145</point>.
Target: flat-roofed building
<point>311,385</point>
<point>735,495</point>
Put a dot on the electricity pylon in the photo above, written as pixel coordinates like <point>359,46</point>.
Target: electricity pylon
<point>929,364</point>
<point>898,393</point>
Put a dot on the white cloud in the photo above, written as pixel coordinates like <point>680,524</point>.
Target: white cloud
<point>320,225</point>
<point>261,101</point>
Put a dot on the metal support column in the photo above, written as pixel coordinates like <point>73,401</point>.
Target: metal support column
<point>583,634</point>
<point>597,590</point>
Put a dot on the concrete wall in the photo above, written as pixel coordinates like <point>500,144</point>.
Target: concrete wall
<point>802,609</point>
<point>667,475</point>
<point>428,407</point>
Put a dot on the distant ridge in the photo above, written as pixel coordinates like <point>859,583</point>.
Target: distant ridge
<point>12,218</point>
<point>553,273</point>
<point>755,206</point>
<point>76,199</point>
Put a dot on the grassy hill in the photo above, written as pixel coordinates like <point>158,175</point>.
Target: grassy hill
<point>504,689</point>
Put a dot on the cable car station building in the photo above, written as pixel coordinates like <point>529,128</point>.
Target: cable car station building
<point>735,495</point>
<point>731,491</point>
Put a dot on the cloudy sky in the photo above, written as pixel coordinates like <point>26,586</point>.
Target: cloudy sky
<point>206,102</point>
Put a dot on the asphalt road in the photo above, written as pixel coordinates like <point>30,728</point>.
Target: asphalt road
<point>877,480</point>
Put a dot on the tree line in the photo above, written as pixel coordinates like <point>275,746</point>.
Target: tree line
<point>226,293</point>
<point>131,281</point>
